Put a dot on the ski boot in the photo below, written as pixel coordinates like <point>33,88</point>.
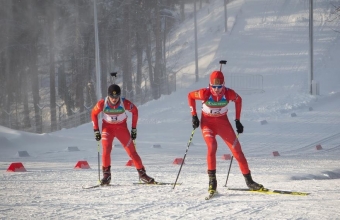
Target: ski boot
<point>251,184</point>
<point>212,181</point>
<point>145,178</point>
<point>106,176</point>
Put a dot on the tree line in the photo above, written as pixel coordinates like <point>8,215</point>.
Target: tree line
<point>47,55</point>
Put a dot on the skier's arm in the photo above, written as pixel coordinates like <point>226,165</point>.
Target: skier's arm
<point>95,112</point>
<point>233,96</point>
<point>134,111</point>
<point>192,97</point>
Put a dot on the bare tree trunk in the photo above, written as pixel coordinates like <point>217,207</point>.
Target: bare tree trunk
<point>35,84</point>
<point>24,93</point>
<point>7,63</point>
<point>182,10</point>
<point>50,19</point>
<point>139,52</point>
<point>149,59</point>
<point>78,53</point>
<point>103,57</point>
<point>102,32</point>
<point>90,99</point>
<point>91,92</point>
<point>127,75</point>
<point>158,56</point>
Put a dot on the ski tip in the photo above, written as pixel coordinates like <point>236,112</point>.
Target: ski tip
<point>165,183</point>
<point>211,195</point>
<point>98,185</point>
<point>90,187</point>
<point>270,191</point>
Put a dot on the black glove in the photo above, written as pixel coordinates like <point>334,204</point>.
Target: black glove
<point>239,126</point>
<point>133,133</point>
<point>195,122</point>
<point>97,135</point>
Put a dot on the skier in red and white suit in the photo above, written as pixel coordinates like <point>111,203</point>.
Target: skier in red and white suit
<point>114,126</point>
<point>214,121</point>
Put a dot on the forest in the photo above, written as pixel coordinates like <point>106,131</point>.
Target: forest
<point>48,56</point>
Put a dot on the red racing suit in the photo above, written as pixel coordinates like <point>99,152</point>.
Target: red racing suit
<point>114,126</point>
<point>214,121</point>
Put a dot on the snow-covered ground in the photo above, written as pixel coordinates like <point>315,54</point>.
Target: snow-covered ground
<point>265,37</point>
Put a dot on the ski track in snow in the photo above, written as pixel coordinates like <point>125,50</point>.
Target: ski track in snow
<point>57,193</point>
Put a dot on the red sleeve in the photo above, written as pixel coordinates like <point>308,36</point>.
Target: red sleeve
<point>95,112</point>
<point>134,110</point>
<point>196,95</point>
<point>233,96</point>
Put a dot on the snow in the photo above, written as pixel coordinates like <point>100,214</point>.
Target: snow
<point>265,37</point>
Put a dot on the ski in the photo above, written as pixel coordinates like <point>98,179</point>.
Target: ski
<point>157,183</point>
<point>270,191</point>
<point>97,186</point>
<point>211,195</point>
<point>139,183</point>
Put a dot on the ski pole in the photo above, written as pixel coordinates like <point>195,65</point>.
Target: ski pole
<point>134,144</point>
<point>231,160</point>
<point>98,160</point>
<point>192,134</point>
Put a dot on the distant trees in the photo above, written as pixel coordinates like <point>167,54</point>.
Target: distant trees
<point>335,15</point>
<point>47,56</point>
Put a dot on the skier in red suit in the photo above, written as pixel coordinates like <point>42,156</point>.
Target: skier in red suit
<point>114,126</point>
<point>214,121</point>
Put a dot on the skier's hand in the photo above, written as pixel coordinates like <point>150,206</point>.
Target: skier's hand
<point>133,133</point>
<point>97,135</point>
<point>195,122</point>
<point>239,126</point>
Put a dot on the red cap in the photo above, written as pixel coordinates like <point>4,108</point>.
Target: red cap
<point>216,78</point>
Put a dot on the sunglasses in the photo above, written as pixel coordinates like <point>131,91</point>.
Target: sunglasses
<point>216,86</point>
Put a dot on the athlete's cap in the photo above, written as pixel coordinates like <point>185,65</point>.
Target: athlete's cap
<point>216,78</point>
<point>113,91</point>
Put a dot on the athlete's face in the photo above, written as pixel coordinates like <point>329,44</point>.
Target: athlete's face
<point>217,88</point>
<point>114,100</point>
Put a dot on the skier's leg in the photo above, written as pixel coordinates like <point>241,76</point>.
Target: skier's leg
<point>123,135</point>
<point>228,135</point>
<point>107,139</point>
<point>125,138</point>
<point>210,140</point>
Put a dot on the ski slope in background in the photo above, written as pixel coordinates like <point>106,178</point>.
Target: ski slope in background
<point>264,37</point>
